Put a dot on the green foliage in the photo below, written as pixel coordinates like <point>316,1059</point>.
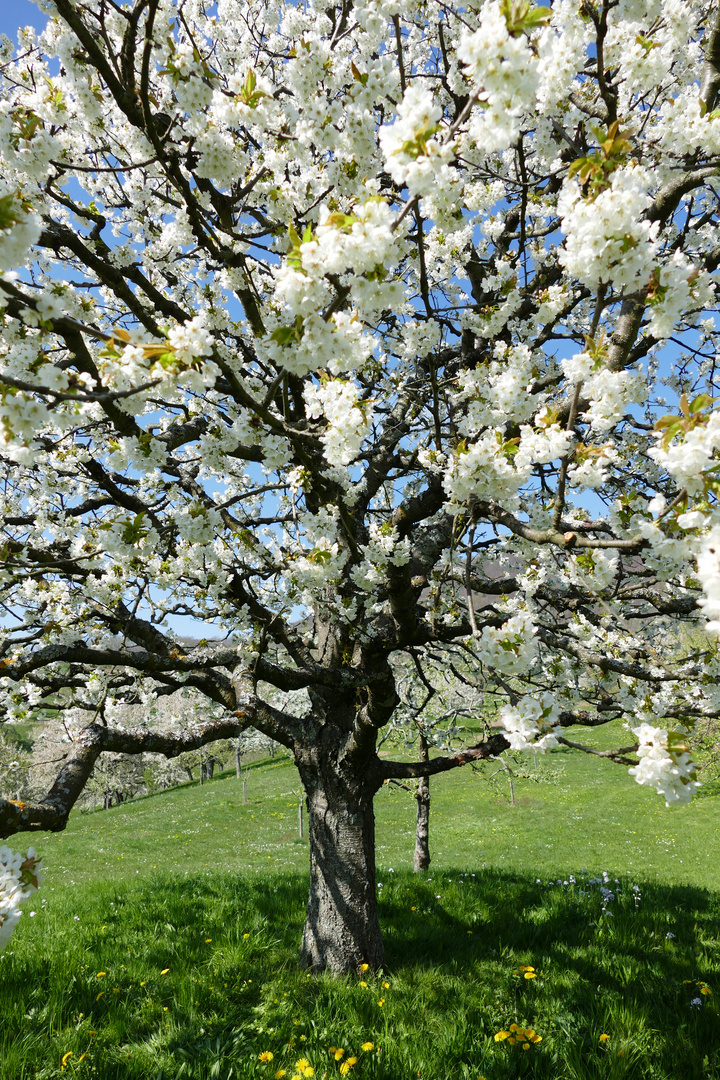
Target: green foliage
<point>523,16</point>
<point>593,172</point>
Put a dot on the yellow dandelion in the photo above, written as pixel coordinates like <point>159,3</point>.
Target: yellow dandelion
<point>526,1046</point>
<point>101,974</point>
<point>280,1073</point>
<point>514,1027</point>
<point>413,908</point>
<point>367,1047</point>
<point>164,971</point>
<point>331,1049</point>
<point>386,986</point>
<point>66,1058</point>
<point>364,985</point>
<point>309,1071</point>
<point>100,995</point>
<point>705,990</point>
<point>381,1002</point>
<point>530,975</point>
<point>339,1053</point>
<point>512,1041</point>
<point>245,936</point>
<point>208,940</point>
<point>344,1069</point>
<point>603,1037</point>
<point>301,1064</point>
<point>82,1056</point>
<point>351,1061</point>
<point>501,1036</point>
<point>364,967</point>
<point>266,1055</point>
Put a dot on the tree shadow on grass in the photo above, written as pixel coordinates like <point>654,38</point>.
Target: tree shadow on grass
<point>455,947</point>
<point>650,954</point>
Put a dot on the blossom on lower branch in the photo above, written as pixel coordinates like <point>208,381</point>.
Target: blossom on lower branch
<point>665,763</point>
<point>531,724</point>
<point>20,877</point>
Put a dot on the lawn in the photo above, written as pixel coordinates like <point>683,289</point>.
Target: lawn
<point>164,940</point>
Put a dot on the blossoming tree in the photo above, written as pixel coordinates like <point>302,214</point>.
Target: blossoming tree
<point>359,330</point>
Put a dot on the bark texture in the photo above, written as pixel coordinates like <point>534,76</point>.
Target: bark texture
<point>421,860</point>
<point>342,930</point>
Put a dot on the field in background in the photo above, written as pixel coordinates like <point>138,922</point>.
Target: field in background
<point>581,812</point>
<point>164,941</point>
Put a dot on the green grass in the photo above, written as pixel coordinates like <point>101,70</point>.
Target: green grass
<point>192,883</point>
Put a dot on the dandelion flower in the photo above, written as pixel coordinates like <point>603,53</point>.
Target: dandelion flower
<point>501,1036</point>
<point>280,1073</point>
<point>364,985</point>
<point>386,986</point>
<point>367,1046</point>
<point>364,967</point>
<point>100,974</point>
<point>339,1053</point>
<point>266,1055</point>
<point>301,1064</point>
<point>66,1058</point>
<point>351,1061</point>
<point>164,971</point>
<point>381,1002</point>
<point>604,1037</point>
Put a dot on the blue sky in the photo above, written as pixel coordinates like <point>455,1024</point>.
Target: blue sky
<point>17,13</point>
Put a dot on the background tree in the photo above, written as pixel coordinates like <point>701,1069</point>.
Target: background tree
<point>329,320</point>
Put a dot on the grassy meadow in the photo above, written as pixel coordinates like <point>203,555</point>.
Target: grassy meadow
<point>164,939</point>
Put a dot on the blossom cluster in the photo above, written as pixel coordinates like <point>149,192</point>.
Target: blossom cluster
<point>20,877</point>
<point>665,764</point>
<point>533,723</point>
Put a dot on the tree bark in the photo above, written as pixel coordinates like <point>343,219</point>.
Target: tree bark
<point>342,929</point>
<point>421,860</point>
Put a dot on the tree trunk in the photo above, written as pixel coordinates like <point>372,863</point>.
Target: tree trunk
<point>342,929</point>
<point>210,768</point>
<point>422,826</point>
<point>189,772</point>
<point>238,768</point>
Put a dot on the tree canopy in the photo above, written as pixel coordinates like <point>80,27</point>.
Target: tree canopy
<point>358,332</point>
